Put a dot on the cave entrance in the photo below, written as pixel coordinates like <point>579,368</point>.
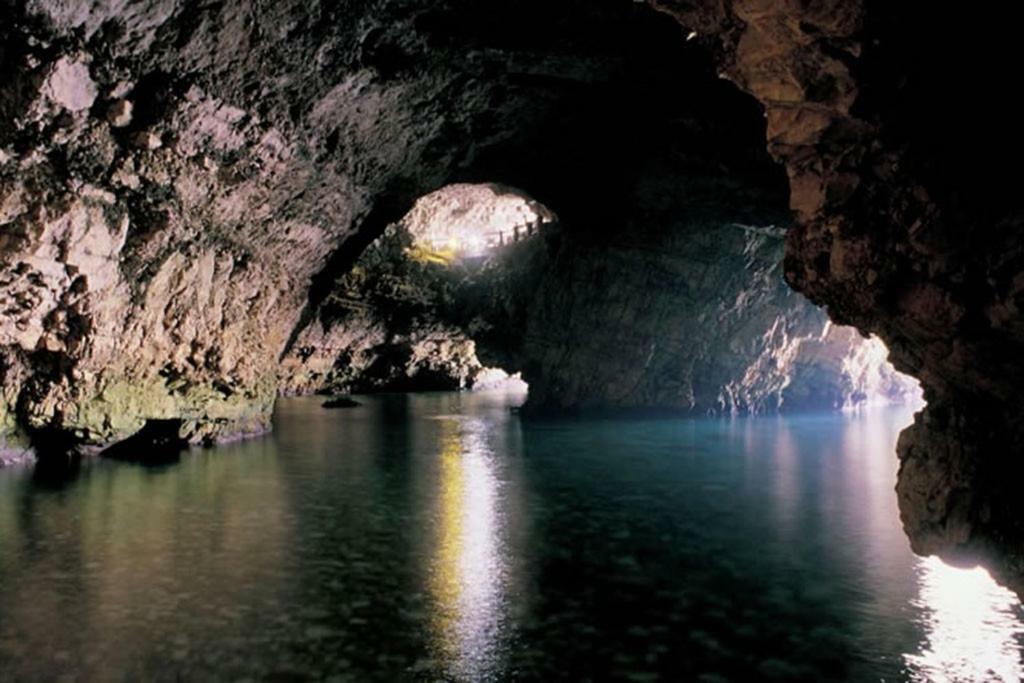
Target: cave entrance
<point>478,285</point>
<point>438,302</point>
<point>472,224</point>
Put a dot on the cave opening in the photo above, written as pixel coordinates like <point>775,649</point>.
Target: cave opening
<point>437,302</point>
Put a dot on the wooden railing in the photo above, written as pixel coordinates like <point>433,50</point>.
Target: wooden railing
<point>501,238</point>
<point>495,239</point>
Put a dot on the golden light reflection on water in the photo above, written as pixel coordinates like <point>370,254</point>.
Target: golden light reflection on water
<point>973,627</point>
<point>467,572</point>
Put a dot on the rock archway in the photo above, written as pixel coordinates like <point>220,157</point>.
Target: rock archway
<point>905,227</point>
<point>435,303</point>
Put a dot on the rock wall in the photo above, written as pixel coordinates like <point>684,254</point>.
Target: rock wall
<point>696,320</point>
<point>692,321</point>
<point>180,185</point>
<point>891,121</point>
<point>842,369</point>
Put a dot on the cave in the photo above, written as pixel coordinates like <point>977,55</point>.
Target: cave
<point>433,304</point>
<point>636,307</point>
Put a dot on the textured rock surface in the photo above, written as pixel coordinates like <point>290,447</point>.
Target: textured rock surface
<point>841,369</point>
<point>698,322</point>
<point>407,314</point>
<point>696,319</point>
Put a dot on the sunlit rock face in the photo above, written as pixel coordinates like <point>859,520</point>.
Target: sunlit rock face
<point>841,369</point>
<point>467,221</point>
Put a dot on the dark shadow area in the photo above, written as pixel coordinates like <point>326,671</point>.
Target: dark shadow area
<point>157,443</point>
<point>58,458</point>
<point>340,402</point>
<point>654,100</point>
<point>55,473</point>
<point>387,209</point>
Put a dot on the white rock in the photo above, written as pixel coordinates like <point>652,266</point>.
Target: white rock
<point>98,193</point>
<point>126,175</point>
<point>148,140</point>
<point>119,114</point>
<point>70,85</point>
<point>121,89</point>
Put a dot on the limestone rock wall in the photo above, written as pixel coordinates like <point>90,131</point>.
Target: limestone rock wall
<point>893,125</point>
<point>841,369</point>
<point>699,323</point>
<point>697,320</point>
<point>148,266</point>
<point>671,324</point>
<point>181,185</point>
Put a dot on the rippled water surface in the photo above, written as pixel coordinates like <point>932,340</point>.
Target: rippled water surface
<point>435,537</point>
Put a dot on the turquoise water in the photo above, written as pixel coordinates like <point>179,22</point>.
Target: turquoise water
<point>436,537</point>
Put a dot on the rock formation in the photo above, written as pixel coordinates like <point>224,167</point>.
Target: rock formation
<point>892,125</point>
<point>181,186</point>
<point>409,312</point>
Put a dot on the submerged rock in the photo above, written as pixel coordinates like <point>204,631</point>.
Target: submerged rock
<point>341,402</point>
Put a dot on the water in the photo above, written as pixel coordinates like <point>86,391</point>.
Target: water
<point>435,537</point>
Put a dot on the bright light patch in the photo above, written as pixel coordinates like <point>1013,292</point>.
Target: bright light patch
<point>475,245</point>
<point>473,220</point>
<point>873,379</point>
<point>973,627</point>
<point>469,569</point>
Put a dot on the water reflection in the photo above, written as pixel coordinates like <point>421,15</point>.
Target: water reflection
<point>973,627</point>
<point>433,537</point>
<point>115,570</point>
<point>468,570</point>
